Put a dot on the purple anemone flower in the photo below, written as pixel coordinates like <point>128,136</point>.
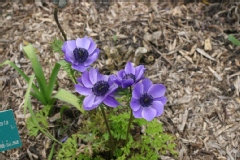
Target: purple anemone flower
<point>129,75</point>
<point>97,88</point>
<point>148,100</point>
<point>81,53</point>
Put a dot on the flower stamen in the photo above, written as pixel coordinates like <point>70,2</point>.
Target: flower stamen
<point>100,88</point>
<point>146,100</point>
<point>80,54</point>
<point>129,76</point>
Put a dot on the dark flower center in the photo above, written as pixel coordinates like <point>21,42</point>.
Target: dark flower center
<point>129,76</point>
<point>100,88</point>
<point>146,100</point>
<point>80,54</point>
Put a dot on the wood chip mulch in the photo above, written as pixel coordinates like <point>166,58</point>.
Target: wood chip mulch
<point>183,46</point>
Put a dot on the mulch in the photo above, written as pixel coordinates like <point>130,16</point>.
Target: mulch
<point>183,46</point>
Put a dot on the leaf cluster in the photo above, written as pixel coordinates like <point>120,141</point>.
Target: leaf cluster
<point>41,117</point>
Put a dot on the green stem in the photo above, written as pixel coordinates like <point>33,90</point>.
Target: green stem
<point>129,125</point>
<point>59,26</point>
<point>109,132</point>
<point>130,120</point>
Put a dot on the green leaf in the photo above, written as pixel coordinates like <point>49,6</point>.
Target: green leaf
<point>115,37</point>
<point>232,39</point>
<point>68,97</point>
<point>37,94</point>
<point>37,68</point>
<point>57,46</point>
<point>27,104</point>
<point>67,67</point>
<point>52,80</point>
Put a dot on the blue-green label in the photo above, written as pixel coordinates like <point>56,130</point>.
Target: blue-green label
<point>9,136</point>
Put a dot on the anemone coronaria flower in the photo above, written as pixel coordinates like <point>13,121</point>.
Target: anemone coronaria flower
<point>81,53</point>
<point>97,88</point>
<point>148,100</point>
<point>129,75</point>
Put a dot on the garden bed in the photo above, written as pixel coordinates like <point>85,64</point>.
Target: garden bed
<point>187,51</point>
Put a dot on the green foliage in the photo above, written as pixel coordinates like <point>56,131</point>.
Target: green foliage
<point>34,124</point>
<point>71,150</point>
<point>232,39</point>
<point>68,97</point>
<point>68,149</point>
<point>115,37</point>
<point>148,145</point>
<point>119,124</point>
<point>67,68</point>
<point>41,117</point>
<point>43,92</point>
<point>57,46</point>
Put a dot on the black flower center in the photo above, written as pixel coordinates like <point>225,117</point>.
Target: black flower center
<point>146,100</point>
<point>80,54</point>
<point>129,76</point>
<point>100,88</point>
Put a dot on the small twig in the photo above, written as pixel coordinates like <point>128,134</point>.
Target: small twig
<point>59,26</point>
<point>164,57</point>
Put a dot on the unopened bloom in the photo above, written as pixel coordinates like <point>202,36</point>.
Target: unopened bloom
<point>148,100</point>
<point>97,88</point>
<point>81,53</point>
<point>129,75</point>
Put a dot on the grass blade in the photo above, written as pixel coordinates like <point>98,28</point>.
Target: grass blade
<point>232,39</point>
<point>37,94</point>
<point>37,68</point>
<point>52,80</point>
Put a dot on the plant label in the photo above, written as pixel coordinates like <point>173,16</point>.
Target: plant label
<point>9,136</point>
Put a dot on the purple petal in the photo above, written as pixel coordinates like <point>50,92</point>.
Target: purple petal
<point>129,69</point>
<point>68,48</point>
<point>137,91</point>
<point>98,100</point>
<point>157,90</point>
<point>127,83</point>
<point>92,47</point>
<point>139,71</point>
<point>110,101</point>
<point>112,89</point>
<point>64,47</point>
<point>120,74</point>
<point>148,113</point>
<point>138,113</point>
<point>162,99</point>
<point>83,42</point>
<point>147,83</point>
<point>88,101</point>
<point>71,45</point>
<point>83,90</point>
<point>135,105</point>
<point>93,73</point>
<point>79,67</point>
<point>79,80</point>
<point>91,59</point>
<point>85,80</point>
<point>158,106</point>
<point>96,51</point>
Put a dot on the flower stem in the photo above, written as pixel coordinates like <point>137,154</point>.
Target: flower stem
<point>130,120</point>
<point>58,24</point>
<point>109,132</point>
<point>129,125</point>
